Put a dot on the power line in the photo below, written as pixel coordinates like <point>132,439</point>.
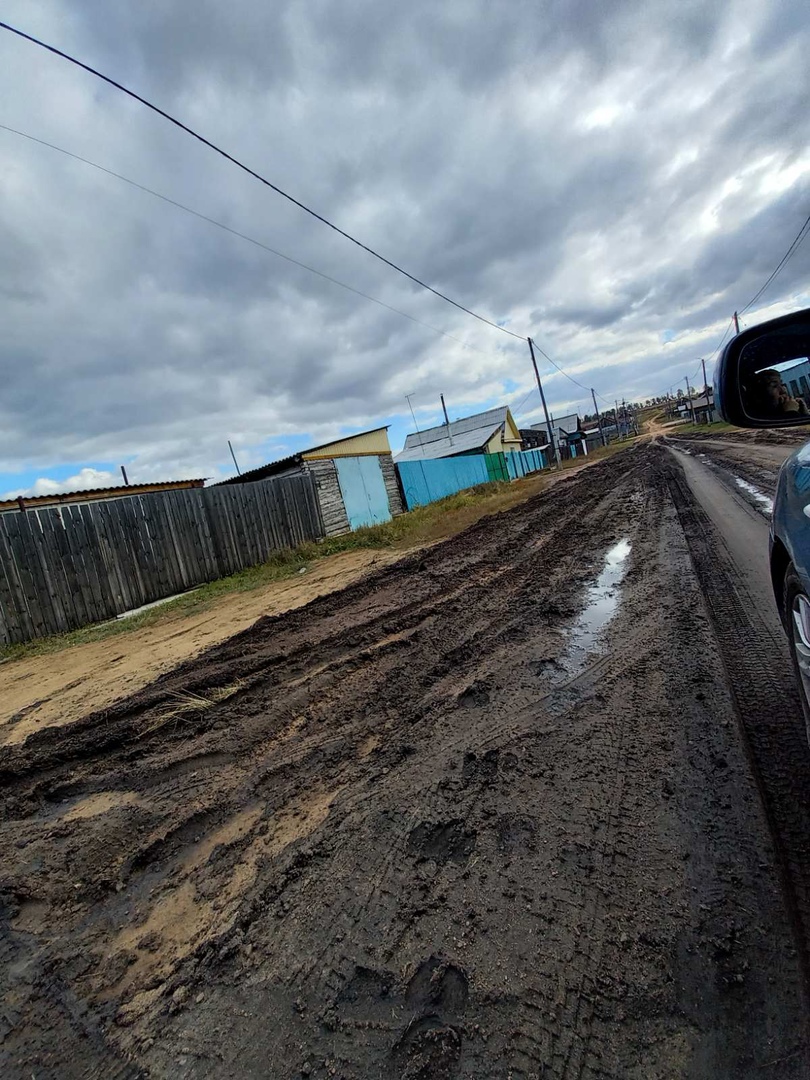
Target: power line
<point>719,344</point>
<point>251,172</point>
<point>800,237</point>
<point>571,378</point>
<point>273,187</point>
<point>517,408</point>
<point>266,247</point>
<point>240,235</point>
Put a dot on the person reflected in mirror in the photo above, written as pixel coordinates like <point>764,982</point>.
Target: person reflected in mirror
<point>771,398</point>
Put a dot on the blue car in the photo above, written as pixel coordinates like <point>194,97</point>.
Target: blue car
<point>762,380</point>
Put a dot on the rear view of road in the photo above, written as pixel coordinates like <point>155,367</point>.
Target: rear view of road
<point>491,812</point>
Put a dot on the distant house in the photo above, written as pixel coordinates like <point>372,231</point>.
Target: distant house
<point>70,498</point>
<point>566,427</point>
<point>594,436</point>
<point>534,438</point>
<point>702,407</point>
<point>355,479</point>
<point>567,432</point>
<point>490,432</point>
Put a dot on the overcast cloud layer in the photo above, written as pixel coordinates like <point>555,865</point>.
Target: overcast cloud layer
<point>612,178</point>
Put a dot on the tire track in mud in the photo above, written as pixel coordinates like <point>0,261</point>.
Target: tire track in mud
<point>731,463</point>
<point>413,846</point>
<point>770,714</point>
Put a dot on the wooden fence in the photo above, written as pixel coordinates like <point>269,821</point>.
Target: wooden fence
<point>63,567</point>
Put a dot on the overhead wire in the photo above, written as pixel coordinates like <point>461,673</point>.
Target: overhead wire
<point>237,233</point>
<point>273,187</point>
<point>798,240</point>
<point>571,378</point>
<point>719,344</point>
<point>252,172</point>
<point>267,247</point>
<point>517,408</point>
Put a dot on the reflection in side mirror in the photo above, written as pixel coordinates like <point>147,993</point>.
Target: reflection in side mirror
<point>763,376</point>
<point>774,374</point>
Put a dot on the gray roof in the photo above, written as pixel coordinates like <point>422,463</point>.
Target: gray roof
<point>697,402</point>
<point>470,433</point>
<point>568,424</point>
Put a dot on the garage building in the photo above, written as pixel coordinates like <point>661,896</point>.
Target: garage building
<point>355,478</point>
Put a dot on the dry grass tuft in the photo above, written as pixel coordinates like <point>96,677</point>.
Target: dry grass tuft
<point>187,703</point>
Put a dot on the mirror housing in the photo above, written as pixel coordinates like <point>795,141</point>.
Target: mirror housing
<point>762,379</point>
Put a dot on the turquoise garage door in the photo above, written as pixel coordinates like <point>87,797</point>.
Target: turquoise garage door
<point>363,489</point>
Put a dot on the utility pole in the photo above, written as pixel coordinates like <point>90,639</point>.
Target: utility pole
<point>446,420</point>
<point>709,409</point>
<point>598,418</point>
<point>689,399</point>
<point>233,455</point>
<point>551,438</point>
<point>736,323</point>
<point>616,416</point>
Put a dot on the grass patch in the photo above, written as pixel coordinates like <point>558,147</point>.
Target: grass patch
<point>717,428</point>
<point>424,525</point>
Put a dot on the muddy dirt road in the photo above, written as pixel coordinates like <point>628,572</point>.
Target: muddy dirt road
<point>746,467</point>
<point>532,803</point>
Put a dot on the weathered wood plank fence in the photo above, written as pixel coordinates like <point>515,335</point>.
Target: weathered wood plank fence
<point>63,567</point>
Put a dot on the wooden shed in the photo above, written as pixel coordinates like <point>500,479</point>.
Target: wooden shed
<point>356,480</point>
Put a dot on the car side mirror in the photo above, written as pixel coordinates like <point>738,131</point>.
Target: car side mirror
<point>762,378</point>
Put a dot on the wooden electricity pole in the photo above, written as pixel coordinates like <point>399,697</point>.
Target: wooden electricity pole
<point>689,399</point>
<point>551,438</point>
<point>598,418</point>
<point>709,409</point>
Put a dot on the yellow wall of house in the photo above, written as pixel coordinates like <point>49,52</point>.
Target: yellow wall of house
<point>512,433</point>
<point>507,440</point>
<point>498,445</point>
<point>369,442</point>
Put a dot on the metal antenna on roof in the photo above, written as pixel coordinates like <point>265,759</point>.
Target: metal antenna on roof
<point>233,455</point>
<point>446,420</point>
<point>413,414</point>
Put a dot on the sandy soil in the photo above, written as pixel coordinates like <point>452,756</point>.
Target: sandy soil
<point>429,827</point>
<point>60,687</point>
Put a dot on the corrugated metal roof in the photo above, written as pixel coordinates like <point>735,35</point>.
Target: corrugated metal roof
<point>484,421</point>
<point>91,494</point>
<point>568,424</point>
<point>462,443</point>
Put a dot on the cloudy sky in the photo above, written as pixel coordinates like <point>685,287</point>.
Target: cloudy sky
<point>613,178</point>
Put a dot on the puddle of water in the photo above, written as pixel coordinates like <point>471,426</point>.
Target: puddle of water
<point>764,503</point>
<point>602,599</point>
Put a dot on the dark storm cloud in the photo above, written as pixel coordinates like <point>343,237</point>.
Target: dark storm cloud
<point>593,174</point>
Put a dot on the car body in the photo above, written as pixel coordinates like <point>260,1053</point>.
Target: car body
<point>790,524</point>
<point>777,353</point>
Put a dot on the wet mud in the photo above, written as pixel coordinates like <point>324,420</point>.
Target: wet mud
<point>490,812</point>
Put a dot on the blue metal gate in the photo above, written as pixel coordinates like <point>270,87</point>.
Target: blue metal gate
<point>363,489</point>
